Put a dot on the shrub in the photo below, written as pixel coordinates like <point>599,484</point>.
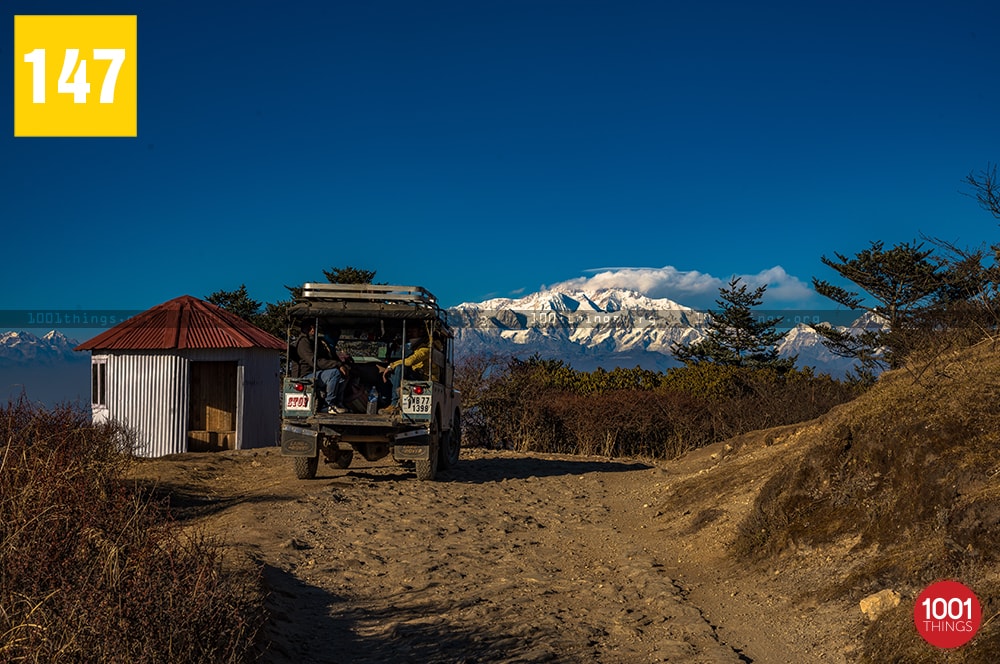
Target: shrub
<point>631,423</point>
<point>545,406</point>
<point>92,570</point>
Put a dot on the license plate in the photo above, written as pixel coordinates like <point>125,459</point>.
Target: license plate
<point>296,402</point>
<point>417,405</point>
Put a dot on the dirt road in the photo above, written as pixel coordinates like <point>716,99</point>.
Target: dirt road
<point>509,558</point>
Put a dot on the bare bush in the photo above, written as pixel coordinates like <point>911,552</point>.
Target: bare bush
<point>93,571</point>
<point>544,406</point>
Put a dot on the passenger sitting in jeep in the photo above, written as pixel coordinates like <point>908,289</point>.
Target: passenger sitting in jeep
<point>414,366</point>
<point>331,372</point>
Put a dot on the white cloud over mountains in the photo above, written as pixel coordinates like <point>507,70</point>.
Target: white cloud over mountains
<point>692,288</point>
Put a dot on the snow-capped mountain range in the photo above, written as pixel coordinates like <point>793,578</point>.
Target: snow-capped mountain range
<point>586,329</point>
<point>43,369</point>
<point>22,348</point>
<point>605,328</point>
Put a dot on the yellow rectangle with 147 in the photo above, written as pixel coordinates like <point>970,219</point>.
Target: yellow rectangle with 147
<point>75,76</point>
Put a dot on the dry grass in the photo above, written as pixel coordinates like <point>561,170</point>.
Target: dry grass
<point>92,570</point>
<point>692,407</point>
<point>911,471</point>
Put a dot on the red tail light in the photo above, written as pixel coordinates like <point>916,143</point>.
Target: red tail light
<point>418,389</point>
<point>299,387</point>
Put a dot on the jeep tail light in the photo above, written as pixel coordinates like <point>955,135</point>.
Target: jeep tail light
<point>418,389</point>
<point>299,387</point>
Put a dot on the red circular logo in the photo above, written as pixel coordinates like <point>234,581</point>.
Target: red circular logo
<point>947,614</point>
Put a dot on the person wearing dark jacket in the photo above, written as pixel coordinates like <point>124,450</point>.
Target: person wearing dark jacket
<point>331,372</point>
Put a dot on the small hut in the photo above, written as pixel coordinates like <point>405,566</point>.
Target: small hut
<point>187,376</point>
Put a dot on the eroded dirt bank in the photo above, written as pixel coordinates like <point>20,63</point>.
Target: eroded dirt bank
<point>509,558</point>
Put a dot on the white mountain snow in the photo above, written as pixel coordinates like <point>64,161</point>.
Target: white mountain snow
<point>603,327</point>
<point>607,327</point>
<point>24,348</point>
<point>43,369</point>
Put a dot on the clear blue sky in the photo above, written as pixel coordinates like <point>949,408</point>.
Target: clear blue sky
<point>486,148</point>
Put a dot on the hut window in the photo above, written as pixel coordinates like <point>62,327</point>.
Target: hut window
<point>99,382</point>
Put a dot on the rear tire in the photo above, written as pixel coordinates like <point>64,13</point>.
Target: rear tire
<point>451,443</point>
<point>427,470</point>
<point>305,467</point>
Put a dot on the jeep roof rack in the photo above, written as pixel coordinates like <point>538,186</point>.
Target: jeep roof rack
<point>367,302</point>
<point>368,293</point>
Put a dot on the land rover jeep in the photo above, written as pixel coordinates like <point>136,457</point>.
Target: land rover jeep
<point>371,328</point>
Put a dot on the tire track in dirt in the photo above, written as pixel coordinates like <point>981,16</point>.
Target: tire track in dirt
<point>509,559</point>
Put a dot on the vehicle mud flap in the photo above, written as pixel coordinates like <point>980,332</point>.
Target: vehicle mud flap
<point>415,452</point>
<point>299,441</point>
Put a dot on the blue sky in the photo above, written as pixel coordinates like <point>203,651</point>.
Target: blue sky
<point>488,148</point>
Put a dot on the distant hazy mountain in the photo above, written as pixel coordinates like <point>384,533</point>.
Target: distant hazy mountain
<point>605,328</point>
<point>44,369</point>
<point>21,348</point>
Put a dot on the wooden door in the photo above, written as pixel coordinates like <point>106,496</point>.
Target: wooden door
<point>212,410</point>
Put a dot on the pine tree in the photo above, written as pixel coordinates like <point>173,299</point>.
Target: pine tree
<point>349,275</point>
<point>273,316</point>
<point>735,335</point>
<point>899,284</point>
<point>237,302</point>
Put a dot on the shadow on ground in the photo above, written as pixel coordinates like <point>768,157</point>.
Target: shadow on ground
<point>477,471</point>
<point>186,502</point>
<point>299,627</point>
<point>519,468</point>
<point>310,625</point>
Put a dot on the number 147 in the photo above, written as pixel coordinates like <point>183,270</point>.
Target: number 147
<point>79,87</point>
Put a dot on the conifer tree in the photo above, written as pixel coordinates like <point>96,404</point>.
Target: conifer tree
<point>273,316</point>
<point>735,335</point>
<point>899,284</point>
<point>237,302</point>
<point>349,275</point>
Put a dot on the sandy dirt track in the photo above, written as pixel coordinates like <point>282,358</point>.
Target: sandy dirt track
<point>510,557</point>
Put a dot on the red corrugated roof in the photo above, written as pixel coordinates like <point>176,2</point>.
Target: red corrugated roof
<point>184,322</point>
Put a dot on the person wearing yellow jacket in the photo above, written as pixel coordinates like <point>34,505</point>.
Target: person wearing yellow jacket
<point>415,365</point>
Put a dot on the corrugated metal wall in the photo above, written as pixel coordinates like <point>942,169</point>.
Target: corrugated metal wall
<point>148,391</point>
<point>261,398</point>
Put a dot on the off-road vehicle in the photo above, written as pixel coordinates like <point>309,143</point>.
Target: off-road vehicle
<point>368,326</point>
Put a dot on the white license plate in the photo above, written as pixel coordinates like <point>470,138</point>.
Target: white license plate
<point>296,402</point>
<point>417,405</point>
